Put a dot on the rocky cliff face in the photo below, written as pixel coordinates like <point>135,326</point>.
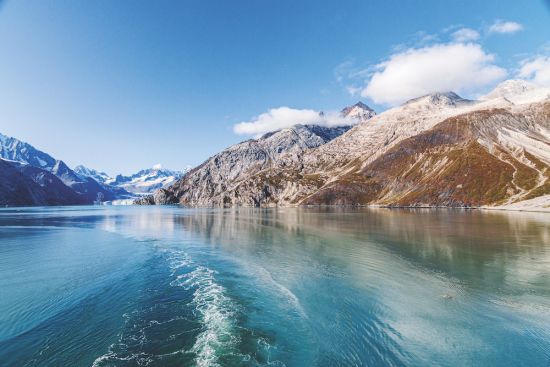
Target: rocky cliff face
<point>219,180</point>
<point>435,150</point>
<point>442,150</point>
<point>487,157</point>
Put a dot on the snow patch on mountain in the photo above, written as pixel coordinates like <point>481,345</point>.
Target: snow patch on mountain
<point>510,88</point>
<point>99,176</point>
<point>19,151</point>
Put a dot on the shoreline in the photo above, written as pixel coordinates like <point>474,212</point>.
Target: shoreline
<point>373,206</point>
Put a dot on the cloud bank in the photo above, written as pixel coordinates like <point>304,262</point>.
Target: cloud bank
<point>501,26</point>
<point>460,67</point>
<point>283,117</point>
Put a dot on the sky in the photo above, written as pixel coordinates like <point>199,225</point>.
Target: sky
<point>123,85</point>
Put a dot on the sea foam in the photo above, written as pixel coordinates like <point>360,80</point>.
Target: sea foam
<point>216,311</point>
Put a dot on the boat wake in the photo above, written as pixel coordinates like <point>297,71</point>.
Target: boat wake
<point>198,324</point>
<point>215,310</point>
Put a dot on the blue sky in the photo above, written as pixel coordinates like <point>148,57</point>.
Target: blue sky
<point>123,85</point>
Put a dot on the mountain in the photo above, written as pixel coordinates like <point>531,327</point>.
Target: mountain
<point>217,182</point>
<point>16,189</point>
<point>143,182</point>
<point>15,150</point>
<point>26,185</point>
<point>358,111</point>
<point>511,89</point>
<point>86,186</point>
<point>55,190</point>
<point>100,177</point>
<point>147,180</point>
<point>435,150</point>
<point>84,190</point>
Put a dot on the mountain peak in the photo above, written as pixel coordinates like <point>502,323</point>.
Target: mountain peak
<point>510,88</point>
<point>439,99</point>
<point>359,111</point>
<point>99,176</point>
<point>16,150</point>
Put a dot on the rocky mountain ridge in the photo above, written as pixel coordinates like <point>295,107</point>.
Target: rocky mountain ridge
<point>216,181</point>
<point>435,150</point>
<point>57,183</point>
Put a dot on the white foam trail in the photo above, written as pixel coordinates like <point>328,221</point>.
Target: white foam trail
<point>215,309</point>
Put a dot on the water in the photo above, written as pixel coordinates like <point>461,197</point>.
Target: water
<point>164,286</point>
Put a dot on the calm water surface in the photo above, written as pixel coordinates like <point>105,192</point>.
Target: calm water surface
<point>162,286</point>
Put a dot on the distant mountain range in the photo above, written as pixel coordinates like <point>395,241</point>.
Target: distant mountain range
<point>54,182</point>
<point>143,182</point>
<point>32,177</point>
<point>435,150</point>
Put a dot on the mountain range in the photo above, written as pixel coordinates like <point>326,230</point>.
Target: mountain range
<point>142,182</point>
<point>435,150</point>
<point>33,177</point>
<point>49,181</point>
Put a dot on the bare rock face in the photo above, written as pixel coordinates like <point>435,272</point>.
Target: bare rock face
<point>435,150</point>
<point>161,196</point>
<point>466,160</point>
<point>232,176</point>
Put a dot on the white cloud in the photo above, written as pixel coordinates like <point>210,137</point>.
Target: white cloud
<point>465,35</point>
<point>501,26</point>
<point>460,67</point>
<point>283,117</point>
<point>157,166</point>
<point>537,70</point>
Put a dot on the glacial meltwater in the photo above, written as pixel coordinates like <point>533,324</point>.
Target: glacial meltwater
<point>169,286</point>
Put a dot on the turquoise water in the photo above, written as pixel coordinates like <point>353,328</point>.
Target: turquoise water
<point>165,286</point>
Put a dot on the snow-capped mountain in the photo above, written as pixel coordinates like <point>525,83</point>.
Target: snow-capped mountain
<point>436,100</point>
<point>510,89</point>
<point>99,176</point>
<point>16,150</point>
<point>518,92</point>
<point>85,189</point>
<point>359,111</point>
<point>438,149</point>
<point>147,180</point>
<point>142,182</point>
